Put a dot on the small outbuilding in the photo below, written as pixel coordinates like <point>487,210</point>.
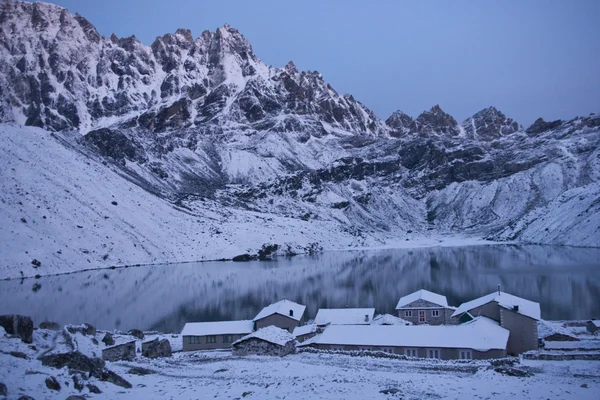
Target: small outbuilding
<point>269,341</point>
<point>284,314</point>
<point>304,332</point>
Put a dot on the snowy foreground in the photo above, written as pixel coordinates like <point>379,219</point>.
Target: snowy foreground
<point>218,374</point>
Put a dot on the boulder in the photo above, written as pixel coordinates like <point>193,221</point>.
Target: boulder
<point>3,390</point>
<point>75,361</point>
<point>156,348</point>
<point>85,329</point>
<point>52,383</point>
<point>108,339</point>
<point>19,325</point>
<point>78,382</point>
<point>93,388</point>
<point>18,354</point>
<point>76,397</point>
<point>109,376</point>
<point>125,351</point>
<point>136,333</point>
<point>51,326</point>
<point>140,371</point>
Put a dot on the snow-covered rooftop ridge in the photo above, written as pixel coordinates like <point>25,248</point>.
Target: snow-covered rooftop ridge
<point>596,322</point>
<point>522,306</point>
<point>218,328</point>
<point>271,334</point>
<point>423,295</point>
<point>481,334</point>
<point>389,319</point>
<point>283,307</point>
<point>304,330</point>
<point>344,316</point>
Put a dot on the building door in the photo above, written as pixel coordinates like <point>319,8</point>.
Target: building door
<point>421,316</point>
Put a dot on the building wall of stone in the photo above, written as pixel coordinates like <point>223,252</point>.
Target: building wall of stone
<point>422,352</point>
<point>260,347</point>
<point>278,320</point>
<point>220,344</point>
<point>523,331</point>
<point>427,307</point>
<point>490,310</point>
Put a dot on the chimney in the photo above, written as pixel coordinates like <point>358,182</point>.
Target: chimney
<point>516,308</point>
<point>498,289</point>
<point>366,317</point>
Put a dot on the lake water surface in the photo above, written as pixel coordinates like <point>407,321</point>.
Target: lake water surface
<point>566,282</point>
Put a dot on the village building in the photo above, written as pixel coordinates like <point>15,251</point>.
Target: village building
<point>593,326</point>
<point>425,307</point>
<point>304,332</point>
<point>389,319</point>
<point>284,314</point>
<point>269,341</point>
<point>344,316</point>
<point>214,335</point>
<point>519,316</point>
<point>481,338</point>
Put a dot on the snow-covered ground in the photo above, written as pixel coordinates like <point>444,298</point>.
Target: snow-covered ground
<point>218,374</point>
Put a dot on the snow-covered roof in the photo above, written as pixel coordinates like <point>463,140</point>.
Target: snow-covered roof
<point>528,308</point>
<point>218,328</point>
<point>305,330</point>
<point>596,322</point>
<point>283,307</point>
<point>389,319</point>
<point>480,334</point>
<point>423,295</point>
<point>271,334</point>
<point>344,316</point>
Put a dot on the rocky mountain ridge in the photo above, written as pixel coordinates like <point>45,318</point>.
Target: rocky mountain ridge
<point>203,123</point>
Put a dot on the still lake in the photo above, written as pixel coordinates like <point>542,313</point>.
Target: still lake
<point>566,282</point>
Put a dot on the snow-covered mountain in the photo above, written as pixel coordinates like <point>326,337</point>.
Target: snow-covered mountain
<point>202,130</point>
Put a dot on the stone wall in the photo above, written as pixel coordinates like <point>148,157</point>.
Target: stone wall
<point>422,352</point>
<point>523,332</point>
<point>263,348</point>
<point>278,320</point>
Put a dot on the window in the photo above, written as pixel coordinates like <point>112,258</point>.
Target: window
<point>364,348</point>
<point>337,348</point>
<point>465,354</point>
<point>422,316</point>
<point>435,313</point>
<point>387,350</point>
<point>433,353</point>
<point>410,352</point>
<point>211,339</point>
<point>227,339</point>
<point>194,340</point>
<point>408,313</point>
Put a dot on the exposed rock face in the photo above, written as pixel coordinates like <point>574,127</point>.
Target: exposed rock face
<point>436,122</point>
<point>125,351</point>
<point>52,326</point>
<point>85,329</point>
<point>108,339</point>
<point>156,348</point>
<point>136,333</point>
<point>74,361</point>
<point>489,124</point>
<point>19,325</point>
<point>400,124</point>
<point>52,384</point>
<point>540,126</point>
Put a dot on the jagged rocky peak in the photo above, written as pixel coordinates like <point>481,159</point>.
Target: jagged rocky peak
<point>290,68</point>
<point>489,124</point>
<point>436,122</point>
<point>541,126</point>
<point>401,124</point>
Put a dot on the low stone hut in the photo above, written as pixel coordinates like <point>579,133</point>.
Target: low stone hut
<point>593,326</point>
<point>269,341</point>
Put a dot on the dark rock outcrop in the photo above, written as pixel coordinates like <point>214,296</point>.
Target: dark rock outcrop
<point>400,124</point>
<point>125,351</point>
<point>51,326</point>
<point>489,124</point>
<point>3,390</point>
<point>140,371</point>
<point>436,122</point>
<point>541,126</point>
<point>93,388</point>
<point>75,361</point>
<point>136,333</point>
<point>18,325</point>
<point>52,383</point>
<point>108,339</point>
<point>85,329</point>
<point>156,348</point>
